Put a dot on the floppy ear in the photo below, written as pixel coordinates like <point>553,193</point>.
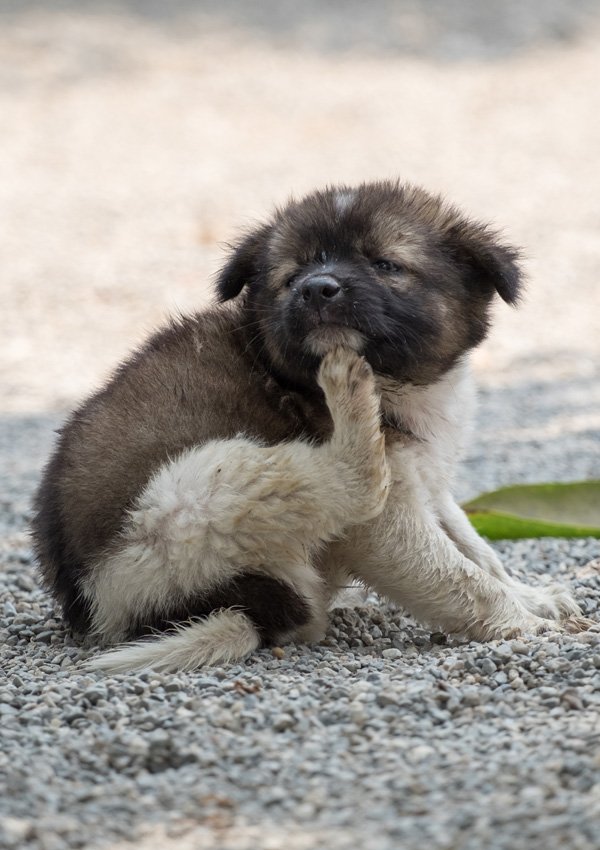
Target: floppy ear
<point>244,264</point>
<point>490,264</point>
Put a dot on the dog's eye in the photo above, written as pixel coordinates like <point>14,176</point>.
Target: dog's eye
<point>386,266</point>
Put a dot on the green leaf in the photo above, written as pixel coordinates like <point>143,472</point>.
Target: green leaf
<point>538,510</point>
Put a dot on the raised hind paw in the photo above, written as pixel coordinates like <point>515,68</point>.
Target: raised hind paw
<point>348,382</point>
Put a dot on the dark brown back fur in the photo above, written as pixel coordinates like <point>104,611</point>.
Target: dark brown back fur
<point>191,383</point>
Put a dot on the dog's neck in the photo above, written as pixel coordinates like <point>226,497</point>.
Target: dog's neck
<point>429,411</point>
<point>422,412</point>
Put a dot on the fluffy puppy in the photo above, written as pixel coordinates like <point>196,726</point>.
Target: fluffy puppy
<point>249,459</point>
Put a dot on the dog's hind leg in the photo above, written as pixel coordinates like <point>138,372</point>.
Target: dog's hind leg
<point>214,519</point>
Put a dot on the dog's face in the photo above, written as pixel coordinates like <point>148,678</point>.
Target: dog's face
<point>387,269</point>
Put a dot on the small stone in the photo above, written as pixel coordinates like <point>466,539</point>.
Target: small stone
<point>392,653</point>
<point>572,700</point>
<point>471,696</point>
<point>94,694</point>
<point>421,752</point>
<point>278,652</point>
<point>14,831</point>
<point>503,652</point>
<point>9,609</point>
<point>275,794</point>
<point>385,698</point>
<point>283,722</point>
<point>488,667</point>
<point>24,582</point>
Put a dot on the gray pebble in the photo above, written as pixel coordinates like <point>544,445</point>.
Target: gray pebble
<point>488,667</point>
<point>14,831</point>
<point>392,653</point>
<point>283,722</point>
<point>25,582</point>
<point>385,698</point>
<point>503,652</point>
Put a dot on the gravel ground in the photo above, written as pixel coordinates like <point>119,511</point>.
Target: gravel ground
<point>379,737</point>
<point>136,138</point>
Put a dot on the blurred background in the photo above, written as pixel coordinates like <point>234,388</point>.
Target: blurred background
<point>137,138</point>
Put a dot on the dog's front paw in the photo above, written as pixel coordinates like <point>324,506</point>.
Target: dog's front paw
<point>534,625</point>
<point>528,625</point>
<point>571,625</point>
<point>551,601</point>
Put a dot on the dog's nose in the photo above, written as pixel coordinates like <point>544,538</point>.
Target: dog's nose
<point>320,288</point>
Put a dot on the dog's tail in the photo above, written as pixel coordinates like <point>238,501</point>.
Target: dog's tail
<point>223,637</point>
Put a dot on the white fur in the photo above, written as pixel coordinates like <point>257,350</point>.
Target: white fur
<point>343,200</point>
<point>421,551</point>
<point>312,515</point>
<point>551,601</point>
<point>233,505</point>
<point>222,638</point>
<point>321,340</point>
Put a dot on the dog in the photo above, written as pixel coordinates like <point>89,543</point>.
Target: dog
<point>251,459</point>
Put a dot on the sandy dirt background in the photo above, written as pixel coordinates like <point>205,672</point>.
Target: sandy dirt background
<point>138,138</point>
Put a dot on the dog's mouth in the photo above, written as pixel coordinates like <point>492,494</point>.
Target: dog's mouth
<point>328,335</point>
<point>322,312</point>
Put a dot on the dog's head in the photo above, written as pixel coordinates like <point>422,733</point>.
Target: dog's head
<point>387,269</point>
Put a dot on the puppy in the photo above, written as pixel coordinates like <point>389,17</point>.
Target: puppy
<point>239,468</point>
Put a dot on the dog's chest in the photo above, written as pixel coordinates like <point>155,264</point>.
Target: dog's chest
<point>434,420</point>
